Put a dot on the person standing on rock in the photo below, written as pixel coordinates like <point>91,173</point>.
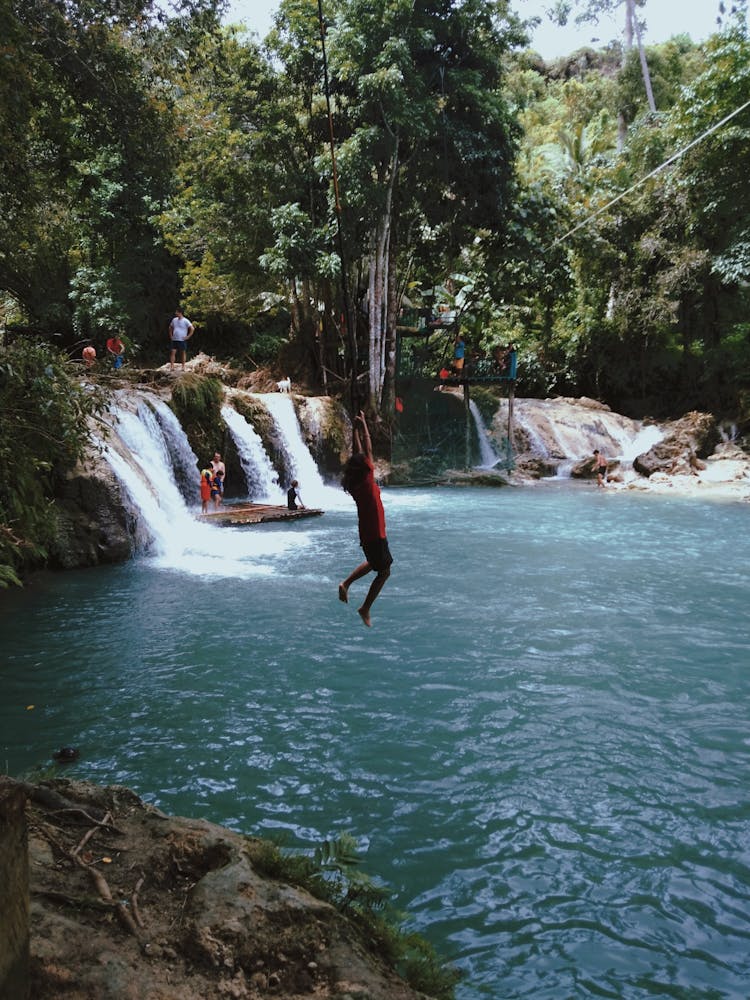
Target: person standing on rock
<point>217,465</point>
<point>180,331</point>
<point>359,481</point>
<point>207,478</point>
<point>600,467</point>
<point>116,350</point>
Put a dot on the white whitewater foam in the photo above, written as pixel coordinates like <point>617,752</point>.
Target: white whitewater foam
<point>180,541</point>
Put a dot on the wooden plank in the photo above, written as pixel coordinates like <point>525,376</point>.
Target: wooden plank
<point>257,513</point>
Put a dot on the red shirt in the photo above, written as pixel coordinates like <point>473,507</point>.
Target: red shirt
<point>369,507</point>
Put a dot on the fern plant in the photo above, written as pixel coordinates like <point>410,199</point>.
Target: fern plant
<point>333,873</point>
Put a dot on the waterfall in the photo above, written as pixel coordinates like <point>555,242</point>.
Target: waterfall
<point>728,431</point>
<point>487,457</point>
<point>536,442</point>
<point>644,441</point>
<point>262,478</point>
<point>565,431</point>
<point>299,463</point>
<point>140,456</point>
<point>184,459</point>
<point>149,451</point>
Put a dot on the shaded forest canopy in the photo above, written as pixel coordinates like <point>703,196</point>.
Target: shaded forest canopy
<point>150,158</point>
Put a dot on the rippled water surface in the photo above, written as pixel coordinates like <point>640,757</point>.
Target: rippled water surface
<point>542,745</point>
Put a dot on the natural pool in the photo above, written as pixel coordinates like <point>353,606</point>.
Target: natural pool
<point>542,745</point>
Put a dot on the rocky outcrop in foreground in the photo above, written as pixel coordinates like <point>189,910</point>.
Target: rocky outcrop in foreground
<point>130,904</point>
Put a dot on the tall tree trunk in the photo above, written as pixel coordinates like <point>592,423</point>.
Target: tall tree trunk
<point>622,125</point>
<point>378,288</point>
<point>391,320</point>
<point>642,56</point>
<point>374,312</point>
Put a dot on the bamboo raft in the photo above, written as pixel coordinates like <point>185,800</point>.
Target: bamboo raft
<point>257,513</point>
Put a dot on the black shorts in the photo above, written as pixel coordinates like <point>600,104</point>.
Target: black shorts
<point>378,554</point>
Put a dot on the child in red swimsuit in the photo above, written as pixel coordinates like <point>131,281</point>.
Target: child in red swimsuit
<point>359,480</point>
<point>207,478</point>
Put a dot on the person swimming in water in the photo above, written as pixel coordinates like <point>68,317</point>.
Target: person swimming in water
<point>359,481</point>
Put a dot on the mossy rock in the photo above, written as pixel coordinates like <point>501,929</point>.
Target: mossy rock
<point>327,431</point>
<point>256,413</point>
<point>197,402</point>
<point>487,401</point>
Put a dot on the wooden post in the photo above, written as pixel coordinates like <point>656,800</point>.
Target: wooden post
<point>467,413</point>
<point>14,893</point>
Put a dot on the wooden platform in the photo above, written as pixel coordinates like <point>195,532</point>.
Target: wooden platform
<point>256,513</point>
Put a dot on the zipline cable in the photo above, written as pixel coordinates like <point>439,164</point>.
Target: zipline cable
<point>655,171</point>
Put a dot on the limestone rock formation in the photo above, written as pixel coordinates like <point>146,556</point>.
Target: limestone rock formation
<point>96,523</point>
<point>685,443</point>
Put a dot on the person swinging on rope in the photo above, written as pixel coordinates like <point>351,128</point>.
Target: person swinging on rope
<point>359,480</point>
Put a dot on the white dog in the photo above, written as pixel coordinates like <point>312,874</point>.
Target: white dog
<point>285,385</point>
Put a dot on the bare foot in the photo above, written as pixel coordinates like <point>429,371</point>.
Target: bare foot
<point>365,616</point>
<point>343,595</point>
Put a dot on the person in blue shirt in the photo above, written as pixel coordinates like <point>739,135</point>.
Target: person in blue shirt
<point>459,352</point>
<point>217,487</point>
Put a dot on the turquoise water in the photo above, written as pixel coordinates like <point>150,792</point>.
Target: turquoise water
<point>542,744</point>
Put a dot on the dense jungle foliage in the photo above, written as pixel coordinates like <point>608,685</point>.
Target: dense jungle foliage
<point>596,216</point>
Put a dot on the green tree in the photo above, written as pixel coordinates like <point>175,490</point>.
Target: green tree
<point>92,158</point>
<point>44,430</point>
<point>427,146</point>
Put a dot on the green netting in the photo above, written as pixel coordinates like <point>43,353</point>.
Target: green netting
<point>424,355</point>
<point>430,434</point>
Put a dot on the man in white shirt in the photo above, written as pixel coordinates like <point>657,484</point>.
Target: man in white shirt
<point>180,331</point>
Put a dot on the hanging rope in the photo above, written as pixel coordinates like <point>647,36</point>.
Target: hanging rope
<point>350,333</point>
<point>653,173</point>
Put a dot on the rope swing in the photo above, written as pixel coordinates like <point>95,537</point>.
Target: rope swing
<point>350,333</point>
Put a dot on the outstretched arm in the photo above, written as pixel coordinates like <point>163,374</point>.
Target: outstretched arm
<point>362,441</point>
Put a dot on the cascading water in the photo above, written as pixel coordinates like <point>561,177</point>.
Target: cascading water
<point>488,459</point>
<point>184,459</point>
<point>140,457</point>
<point>148,450</point>
<point>644,440</point>
<point>566,431</point>
<point>262,478</point>
<point>299,462</point>
<point>536,442</point>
